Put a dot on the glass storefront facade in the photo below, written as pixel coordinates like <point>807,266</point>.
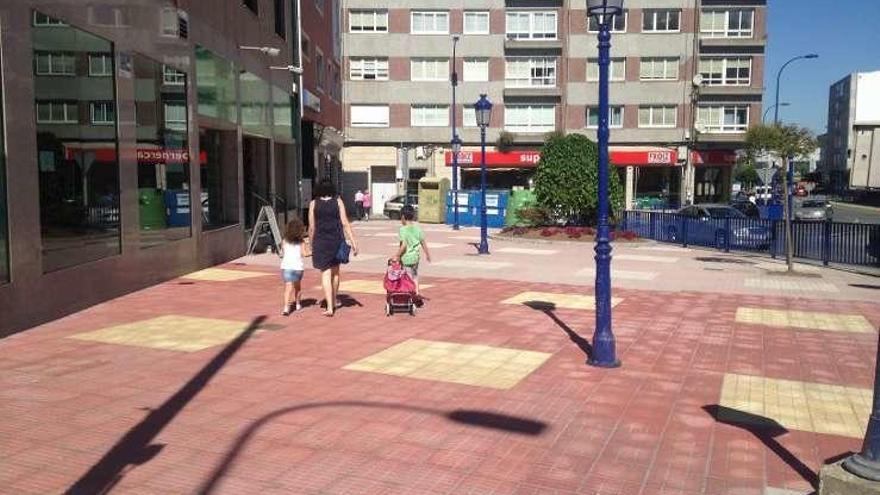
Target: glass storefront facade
<point>161,111</point>
<point>75,107</point>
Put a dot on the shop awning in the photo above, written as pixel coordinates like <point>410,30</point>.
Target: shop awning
<point>621,156</point>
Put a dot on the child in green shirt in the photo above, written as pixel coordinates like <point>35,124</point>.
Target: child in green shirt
<point>412,242</point>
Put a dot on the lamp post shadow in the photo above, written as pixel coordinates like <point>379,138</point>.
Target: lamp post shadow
<point>766,430</point>
<point>548,308</point>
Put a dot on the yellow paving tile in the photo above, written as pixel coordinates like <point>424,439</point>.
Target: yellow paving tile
<point>170,332</point>
<point>467,364</point>
<point>569,301</point>
<point>223,275</point>
<point>367,286</point>
<point>832,322</point>
<point>805,406</point>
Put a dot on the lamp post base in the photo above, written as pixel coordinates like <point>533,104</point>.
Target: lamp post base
<point>483,249</point>
<point>604,364</point>
<point>862,467</point>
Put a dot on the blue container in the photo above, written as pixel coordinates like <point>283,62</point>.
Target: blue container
<point>771,212</point>
<point>496,208</point>
<point>465,216</point>
<point>177,207</point>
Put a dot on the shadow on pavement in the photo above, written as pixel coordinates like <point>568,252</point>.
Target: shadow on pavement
<point>134,448</point>
<point>482,419</point>
<point>766,430</point>
<point>548,309</point>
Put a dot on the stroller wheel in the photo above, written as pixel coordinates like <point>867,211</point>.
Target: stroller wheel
<point>388,310</point>
<point>412,309</point>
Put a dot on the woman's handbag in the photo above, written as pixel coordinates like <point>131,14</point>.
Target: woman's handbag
<point>343,252</point>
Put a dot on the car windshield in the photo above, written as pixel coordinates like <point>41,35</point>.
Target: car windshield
<point>725,213</point>
<point>813,204</point>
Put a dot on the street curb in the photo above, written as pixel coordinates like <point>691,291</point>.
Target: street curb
<point>560,241</point>
<point>874,209</point>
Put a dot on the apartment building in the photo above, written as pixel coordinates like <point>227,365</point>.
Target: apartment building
<point>686,82</point>
<point>136,139</point>
<point>851,147</point>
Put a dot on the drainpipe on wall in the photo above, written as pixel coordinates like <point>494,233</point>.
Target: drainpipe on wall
<point>298,115</point>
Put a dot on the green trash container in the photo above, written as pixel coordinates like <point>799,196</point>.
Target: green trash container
<point>518,200</point>
<point>152,209</point>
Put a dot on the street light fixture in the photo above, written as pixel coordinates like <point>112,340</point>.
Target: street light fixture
<point>604,354</point>
<point>771,107</point>
<point>779,76</point>
<point>483,112</point>
<point>267,50</point>
<point>455,141</point>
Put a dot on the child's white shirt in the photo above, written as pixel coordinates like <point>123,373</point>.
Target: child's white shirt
<point>292,259</point>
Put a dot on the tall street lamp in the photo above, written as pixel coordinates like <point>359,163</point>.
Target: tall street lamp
<point>779,76</point>
<point>866,464</point>
<point>455,141</point>
<point>483,111</point>
<point>604,354</point>
<point>771,107</point>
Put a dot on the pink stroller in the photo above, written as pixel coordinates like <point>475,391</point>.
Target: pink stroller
<point>400,290</point>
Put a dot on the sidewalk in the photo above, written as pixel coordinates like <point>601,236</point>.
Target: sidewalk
<point>197,385</point>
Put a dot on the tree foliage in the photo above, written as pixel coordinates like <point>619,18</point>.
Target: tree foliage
<point>746,174</point>
<point>567,179</point>
<point>785,140</point>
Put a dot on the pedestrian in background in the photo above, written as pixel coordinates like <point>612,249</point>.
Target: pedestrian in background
<point>368,205</point>
<point>332,239</point>
<point>359,204</point>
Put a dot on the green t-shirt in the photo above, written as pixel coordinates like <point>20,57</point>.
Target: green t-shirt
<point>411,236</point>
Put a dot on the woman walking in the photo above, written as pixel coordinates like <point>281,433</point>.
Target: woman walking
<point>332,238</point>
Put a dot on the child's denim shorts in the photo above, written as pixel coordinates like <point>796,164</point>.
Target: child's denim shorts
<point>292,275</point>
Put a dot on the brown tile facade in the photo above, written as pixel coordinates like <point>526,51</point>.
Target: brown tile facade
<point>398,69</point>
<point>398,20</point>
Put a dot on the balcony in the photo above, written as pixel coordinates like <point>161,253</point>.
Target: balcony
<point>533,93</point>
<point>533,45</point>
<point>738,92</point>
<point>712,44</point>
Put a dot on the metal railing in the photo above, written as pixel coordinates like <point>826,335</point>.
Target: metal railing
<point>828,241</point>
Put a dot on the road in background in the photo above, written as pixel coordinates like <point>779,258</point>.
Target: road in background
<point>846,212</point>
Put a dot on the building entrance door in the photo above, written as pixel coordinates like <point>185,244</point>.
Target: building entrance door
<point>257,178</point>
<point>383,187</point>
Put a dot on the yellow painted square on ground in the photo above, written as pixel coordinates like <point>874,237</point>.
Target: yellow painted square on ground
<point>467,364</point>
<point>367,286</point>
<point>170,332</point>
<point>568,301</point>
<point>805,406</point>
<point>811,320</point>
<point>223,275</point>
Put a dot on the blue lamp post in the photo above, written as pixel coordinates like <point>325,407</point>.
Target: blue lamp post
<point>604,354</point>
<point>866,464</point>
<point>456,142</point>
<point>483,111</point>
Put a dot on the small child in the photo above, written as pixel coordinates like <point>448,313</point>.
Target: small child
<point>412,242</point>
<point>292,252</point>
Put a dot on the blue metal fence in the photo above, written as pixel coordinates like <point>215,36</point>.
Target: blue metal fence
<point>828,242</point>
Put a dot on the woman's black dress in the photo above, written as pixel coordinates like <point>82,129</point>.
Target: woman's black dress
<point>328,234</point>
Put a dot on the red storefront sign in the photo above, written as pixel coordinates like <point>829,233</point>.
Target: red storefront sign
<point>144,155</point>
<point>528,159</point>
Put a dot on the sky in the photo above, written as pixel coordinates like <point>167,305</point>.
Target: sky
<point>844,33</point>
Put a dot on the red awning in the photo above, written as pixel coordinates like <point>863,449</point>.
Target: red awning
<point>623,156</point>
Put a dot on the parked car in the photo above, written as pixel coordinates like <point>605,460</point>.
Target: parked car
<point>395,204</point>
<point>814,209</point>
<point>708,225</point>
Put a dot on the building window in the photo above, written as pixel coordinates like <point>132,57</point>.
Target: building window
<point>42,20</point>
<point>368,69</point>
<point>618,26</point>
<point>429,69</point>
<point>661,20</point>
<point>215,86</point>
<point>172,76</point>
<point>469,116</point>
<point>100,65</point>
<point>476,69</point>
<point>616,71</point>
<point>727,23</point>
<point>252,5</point>
<point>369,116</point>
<point>102,113</point>
<point>615,117</point>
<point>723,118</point>
<point>321,70</point>
<point>368,21</point>
<point>55,64</point>
<point>529,118</point>
<point>659,69</point>
<point>531,25</point>
<point>76,161</point>
<point>476,22</point>
<point>530,72</point>
<point>429,116</point>
<point>280,18</point>
<point>432,22</point>
<point>660,116</point>
<point>175,116</point>
<point>729,71</point>
<point>57,112</point>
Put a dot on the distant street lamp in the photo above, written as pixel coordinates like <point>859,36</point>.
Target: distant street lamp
<point>483,111</point>
<point>771,107</point>
<point>603,354</point>
<point>456,142</point>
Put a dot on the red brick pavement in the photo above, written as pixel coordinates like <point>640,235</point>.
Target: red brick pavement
<point>640,429</point>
